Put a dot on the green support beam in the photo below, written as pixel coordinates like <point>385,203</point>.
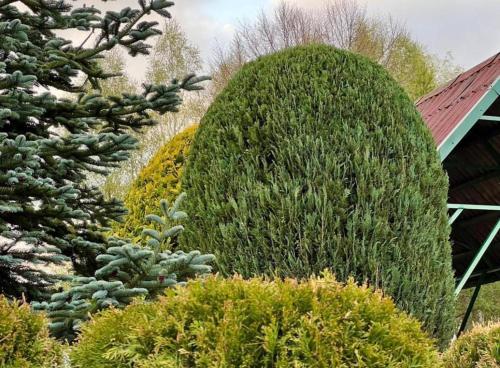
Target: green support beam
<point>478,257</point>
<point>455,215</point>
<point>471,305</point>
<point>475,114</point>
<point>479,140</point>
<point>480,207</point>
<point>490,118</point>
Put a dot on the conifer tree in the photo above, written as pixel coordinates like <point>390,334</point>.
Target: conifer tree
<point>127,271</point>
<point>48,144</point>
<point>313,158</point>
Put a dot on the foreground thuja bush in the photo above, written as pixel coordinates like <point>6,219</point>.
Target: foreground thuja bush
<point>315,158</point>
<point>254,323</point>
<point>478,348</point>
<point>159,179</point>
<point>24,338</point>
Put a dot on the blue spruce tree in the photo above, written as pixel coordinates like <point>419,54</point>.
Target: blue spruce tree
<point>49,214</point>
<point>127,271</point>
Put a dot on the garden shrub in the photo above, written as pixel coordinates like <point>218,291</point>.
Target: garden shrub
<point>24,338</point>
<point>315,158</point>
<point>478,348</point>
<point>159,179</point>
<point>254,323</point>
<point>127,271</point>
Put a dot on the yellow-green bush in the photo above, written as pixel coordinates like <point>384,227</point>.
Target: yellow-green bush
<point>254,323</point>
<point>160,179</point>
<point>478,348</point>
<point>24,338</point>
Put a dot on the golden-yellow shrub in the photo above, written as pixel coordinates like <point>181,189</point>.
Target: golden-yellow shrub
<point>24,338</point>
<point>229,323</point>
<point>478,348</point>
<point>160,179</point>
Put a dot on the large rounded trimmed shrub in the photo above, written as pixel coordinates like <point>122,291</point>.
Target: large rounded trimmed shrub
<point>315,158</point>
<point>24,338</point>
<point>159,179</point>
<point>236,323</point>
<point>478,348</point>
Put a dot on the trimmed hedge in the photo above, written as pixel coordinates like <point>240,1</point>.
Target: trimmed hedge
<point>255,323</point>
<point>478,348</point>
<point>315,158</point>
<point>24,338</point>
<point>159,179</point>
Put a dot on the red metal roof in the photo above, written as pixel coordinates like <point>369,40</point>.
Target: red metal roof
<point>444,108</point>
<point>473,164</point>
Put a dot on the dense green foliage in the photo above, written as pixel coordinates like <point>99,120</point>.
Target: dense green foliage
<point>48,144</point>
<point>159,179</point>
<point>255,323</point>
<point>127,271</point>
<point>478,348</point>
<point>24,338</point>
<point>315,158</point>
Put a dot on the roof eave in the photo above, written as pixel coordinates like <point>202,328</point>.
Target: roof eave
<point>469,120</point>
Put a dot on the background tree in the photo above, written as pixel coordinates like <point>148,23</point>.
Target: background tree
<point>49,213</point>
<point>114,62</point>
<point>341,23</point>
<point>171,56</point>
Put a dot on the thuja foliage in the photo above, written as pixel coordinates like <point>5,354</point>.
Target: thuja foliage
<point>159,179</point>
<point>256,323</point>
<point>48,144</point>
<point>127,271</point>
<point>477,348</point>
<point>24,338</point>
<point>315,158</point>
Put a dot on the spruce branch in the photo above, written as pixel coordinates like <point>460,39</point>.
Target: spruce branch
<point>127,271</point>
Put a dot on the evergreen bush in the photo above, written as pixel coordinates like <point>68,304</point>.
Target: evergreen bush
<point>315,158</point>
<point>58,127</point>
<point>24,338</point>
<point>159,179</point>
<point>128,270</point>
<point>478,348</point>
<point>224,323</point>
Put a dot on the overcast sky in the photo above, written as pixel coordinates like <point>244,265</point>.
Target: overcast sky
<point>469,29</point>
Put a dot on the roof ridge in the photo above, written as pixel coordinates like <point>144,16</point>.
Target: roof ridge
<point>474,71</point>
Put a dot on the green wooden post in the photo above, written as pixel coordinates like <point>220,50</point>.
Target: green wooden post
<point>478,257</point>
<point>471,305</point>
